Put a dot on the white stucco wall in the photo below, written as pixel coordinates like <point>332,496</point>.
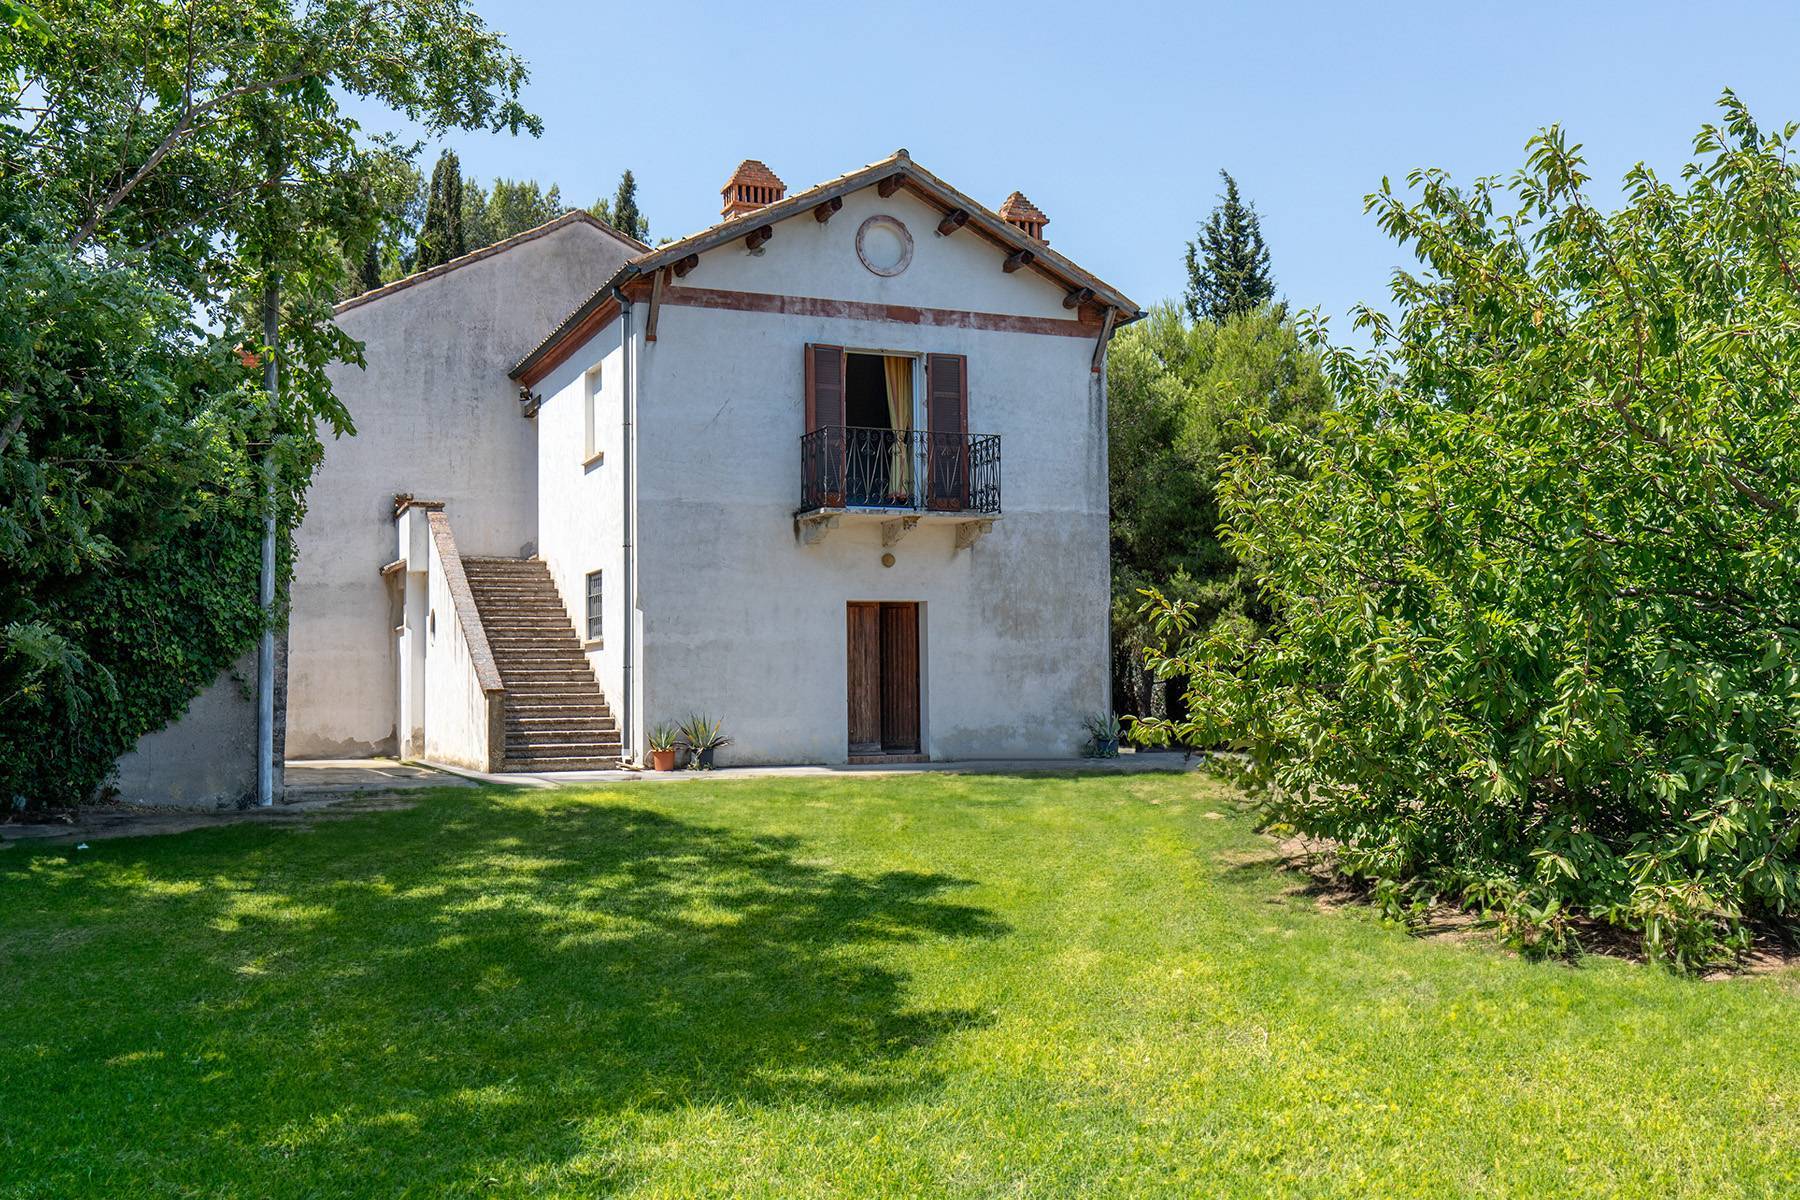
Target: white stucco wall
<point>741,620</point>
<point>206,758</point>
<point>580,501</point>
<point>435,416</point>
<point>460,715</point>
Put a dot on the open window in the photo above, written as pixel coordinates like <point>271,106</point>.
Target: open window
<point>887,431</point>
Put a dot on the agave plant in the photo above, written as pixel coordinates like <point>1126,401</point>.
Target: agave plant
<point>702,735</point>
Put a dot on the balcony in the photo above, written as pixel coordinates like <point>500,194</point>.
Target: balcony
<point>898,477</point>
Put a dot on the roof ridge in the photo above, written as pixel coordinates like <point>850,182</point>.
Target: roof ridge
<point>572,216</point>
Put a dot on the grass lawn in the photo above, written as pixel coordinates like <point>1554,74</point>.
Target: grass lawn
<point>924,986</point>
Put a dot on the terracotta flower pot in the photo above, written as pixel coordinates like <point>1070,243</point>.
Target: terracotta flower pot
<point>662,760</point>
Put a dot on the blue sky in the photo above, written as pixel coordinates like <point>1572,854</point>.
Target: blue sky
<point>1115,118</point>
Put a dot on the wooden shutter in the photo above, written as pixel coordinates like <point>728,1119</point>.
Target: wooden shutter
<point>863,675</point>
<point>822,454</point>
<point>947,418</point>
<point>900,677</point>
<point>824,386</point>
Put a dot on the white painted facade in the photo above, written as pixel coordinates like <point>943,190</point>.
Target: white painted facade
<point>436,417</point>
<point>737,616</point>
<point>713,599</point>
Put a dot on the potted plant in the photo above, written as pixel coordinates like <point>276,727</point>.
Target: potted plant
<point>702,735</point>
<point>663,740</point>
<point>1103,735</point>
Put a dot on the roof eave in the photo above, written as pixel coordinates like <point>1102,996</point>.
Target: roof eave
<point>986,220</point>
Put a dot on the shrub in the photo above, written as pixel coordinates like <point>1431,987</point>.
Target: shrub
<point>1537,584</point>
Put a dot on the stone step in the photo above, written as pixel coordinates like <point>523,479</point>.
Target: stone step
<point>549,767</point>
<point>576,741</point>
<point>585,725</point>
<point>539,673</point>
<point>551,708</point>
<point>552,693</point>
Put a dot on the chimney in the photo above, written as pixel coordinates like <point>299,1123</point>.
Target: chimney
<point>1017,210</point>
<point>751,186</point>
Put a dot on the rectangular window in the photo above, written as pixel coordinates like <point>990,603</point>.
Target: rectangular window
<point>593,606</point>
<point>590,403</point>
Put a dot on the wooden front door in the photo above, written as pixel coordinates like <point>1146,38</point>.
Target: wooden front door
<point>882,673</point>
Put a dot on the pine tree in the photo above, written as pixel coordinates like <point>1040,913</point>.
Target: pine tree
<point>441,236</point>
<point>621,212</point>
<point>1228,264</point>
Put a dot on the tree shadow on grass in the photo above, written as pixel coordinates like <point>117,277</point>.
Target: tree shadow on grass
<point>474,991</point>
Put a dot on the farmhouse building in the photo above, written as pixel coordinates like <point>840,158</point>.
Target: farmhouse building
<point>832,471</point>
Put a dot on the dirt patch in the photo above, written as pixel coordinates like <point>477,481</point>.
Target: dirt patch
<point>1313,864</point>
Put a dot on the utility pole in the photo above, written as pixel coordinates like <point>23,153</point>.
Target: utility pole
<point>265,653</point>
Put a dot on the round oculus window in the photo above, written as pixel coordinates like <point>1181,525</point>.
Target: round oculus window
<point>884,245</point>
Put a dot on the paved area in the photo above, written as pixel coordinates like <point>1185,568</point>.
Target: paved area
<point>323,777</point>
<point>323,789</point>
<point>1127,763</point>
<point>320,790</point>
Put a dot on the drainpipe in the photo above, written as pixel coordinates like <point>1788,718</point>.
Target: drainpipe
<point>627,517</point>
<point>265,649</point>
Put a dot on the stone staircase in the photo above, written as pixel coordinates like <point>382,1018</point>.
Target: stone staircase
<point>556,718</point>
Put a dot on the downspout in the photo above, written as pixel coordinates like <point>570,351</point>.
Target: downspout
<point>265,646</point>
<point>627,518</point>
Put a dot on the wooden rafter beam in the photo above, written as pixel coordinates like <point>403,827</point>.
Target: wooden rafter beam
<point>889,186</point>
<point>758,236</point>
<point>685,265</point>
<point>1017,259</point>
<point>656,291</point>
<point>1078,297</point>
<point>1106,328</point>
<point>824,212</point>
<point>953,220</point>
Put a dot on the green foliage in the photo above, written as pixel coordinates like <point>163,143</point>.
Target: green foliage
<point>163,167</point>
<point>1228,264</point>
<point>1181,398</point>
<point>511,208</point>
<point>129,513</point>
<point>441,237</point>
<point>621,212</point>
<point>1537,582</point>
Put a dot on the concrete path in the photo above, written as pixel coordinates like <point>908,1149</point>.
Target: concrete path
<point>327,788</point>
<point>1127,763</point>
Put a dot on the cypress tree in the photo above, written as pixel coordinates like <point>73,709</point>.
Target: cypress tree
<point>623,211</point>
<point>441,236</point>
<point>1228,264</point>
<point>368,272</point>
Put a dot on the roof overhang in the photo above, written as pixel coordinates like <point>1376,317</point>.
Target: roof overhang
<point>902,171</point>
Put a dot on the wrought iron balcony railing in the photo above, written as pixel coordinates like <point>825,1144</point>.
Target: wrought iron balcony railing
<point>849,467</point>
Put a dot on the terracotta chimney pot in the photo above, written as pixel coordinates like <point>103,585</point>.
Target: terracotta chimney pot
<point>1017,210</point>
<point>751,186</point>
